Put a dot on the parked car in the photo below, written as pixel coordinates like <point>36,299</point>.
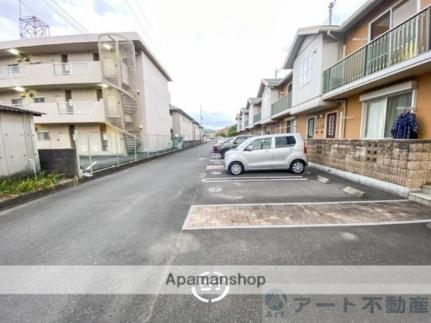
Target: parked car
<point>233,143</point>
<point>219,143</point>
<point>282,151</point>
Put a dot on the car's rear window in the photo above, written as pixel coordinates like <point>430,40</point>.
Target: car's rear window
<point>288,141</point>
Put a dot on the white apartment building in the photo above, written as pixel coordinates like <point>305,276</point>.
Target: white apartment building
<point>96,92</point>
<point>184,126</point>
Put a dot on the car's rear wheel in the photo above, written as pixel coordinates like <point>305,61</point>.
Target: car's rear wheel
<point>236,168</point>
<point>297,167</point>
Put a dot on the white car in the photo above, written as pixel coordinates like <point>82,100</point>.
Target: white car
<point>281,151</point>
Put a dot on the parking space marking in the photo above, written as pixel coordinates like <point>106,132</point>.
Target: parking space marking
<point>245,179</point>
<point>305,215</point>
<point>214,167</point>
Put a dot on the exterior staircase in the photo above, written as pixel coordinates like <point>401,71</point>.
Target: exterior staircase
<point>423,197</point>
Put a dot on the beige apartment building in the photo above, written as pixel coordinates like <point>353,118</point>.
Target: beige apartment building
<point>184,126</point>
<point>103,93</point>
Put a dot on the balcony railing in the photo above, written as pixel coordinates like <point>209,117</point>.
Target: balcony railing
<point>69,112</point>
<point>257,117</point>
<point>50,74</point>
<point>281,105</point>
<point>10,72</point>
<point>73,68</point>
<point>399,44</point>
<point>246,123</point>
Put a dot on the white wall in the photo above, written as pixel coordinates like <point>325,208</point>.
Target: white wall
<point>312,47</point>
<point>154,102</point>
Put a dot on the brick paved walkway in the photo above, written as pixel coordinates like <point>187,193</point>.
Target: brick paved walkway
<point>225,216</point>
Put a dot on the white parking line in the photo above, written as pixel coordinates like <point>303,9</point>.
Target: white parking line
<point>304,203</point>
<point>292,226</point>
<point>214,167</point>
<point>231,180</point>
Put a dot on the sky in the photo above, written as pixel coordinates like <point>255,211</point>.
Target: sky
<point>215,51</point>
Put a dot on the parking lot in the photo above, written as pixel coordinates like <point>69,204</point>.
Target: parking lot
<point>281,199</point>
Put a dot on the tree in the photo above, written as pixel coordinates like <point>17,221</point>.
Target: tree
<point>232,131</point>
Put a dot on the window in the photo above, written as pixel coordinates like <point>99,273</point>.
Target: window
<point>331,125</point>
<point>43,135</point>
<point>282,142</point>
<point>39,100</point>
<point>393,17</point>
<point>291,126</point>
<point>381,114</point>
<point>380,26</point>
<point>17,103</point>
<point>310,127</point>
<point>14,68</point>
<point>240,140</point>
<point>305,72</point>
<point>96,57</point>
<point>261,144</point>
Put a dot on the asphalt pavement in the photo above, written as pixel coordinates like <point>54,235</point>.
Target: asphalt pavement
<point>135,217</point>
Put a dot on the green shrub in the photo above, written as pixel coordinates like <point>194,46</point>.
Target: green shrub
<point>14,186</point>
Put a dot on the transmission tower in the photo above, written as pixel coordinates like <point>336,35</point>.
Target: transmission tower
<point>31,26</point>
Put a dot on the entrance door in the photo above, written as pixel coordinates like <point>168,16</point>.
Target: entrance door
<point>331,125</point>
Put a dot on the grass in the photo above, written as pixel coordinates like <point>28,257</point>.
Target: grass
<point>15,186</point>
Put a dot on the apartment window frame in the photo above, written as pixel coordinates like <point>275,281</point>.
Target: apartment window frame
<point>14,104</point>
<point>305,68</point>
<point>391,20</point>
<point>14,68</point>
<point>385,98</point>
<point>39,99</point>
<point>314,118</point>
<point>43,136</point>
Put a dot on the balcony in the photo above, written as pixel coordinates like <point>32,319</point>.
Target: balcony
<point>37,75</point>
<point>383,56</point>
<point>257,117</point>
<point>282,105</point>
<point>245,123</point>
<point>69,112</point>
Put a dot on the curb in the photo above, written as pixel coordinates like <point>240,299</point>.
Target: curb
<point>30,196</point>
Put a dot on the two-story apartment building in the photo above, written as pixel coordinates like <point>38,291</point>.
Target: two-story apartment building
<point>95,91</point>
<point>353,85</point>
<point>384,69</point>
<point>314,49</point>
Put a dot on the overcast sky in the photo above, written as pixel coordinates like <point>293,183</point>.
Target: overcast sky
<point>215,51</point>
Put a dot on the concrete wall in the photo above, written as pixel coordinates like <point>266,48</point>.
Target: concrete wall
<point>401,162</point>
<point>182,126</point>
<point>62,161</point>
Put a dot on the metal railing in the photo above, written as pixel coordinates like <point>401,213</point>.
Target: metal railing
<point>73,68</point>
<point>10,72</point>
<point>401,43</point>
<point>75,107</point>
<point>257,117</point>
<point>282,104</point>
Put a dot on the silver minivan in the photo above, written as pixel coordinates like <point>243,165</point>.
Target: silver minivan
<point>281,151</point>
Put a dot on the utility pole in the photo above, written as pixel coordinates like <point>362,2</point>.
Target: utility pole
<point>331,11</point>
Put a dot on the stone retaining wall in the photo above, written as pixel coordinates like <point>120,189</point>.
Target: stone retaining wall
<point>402,162</point>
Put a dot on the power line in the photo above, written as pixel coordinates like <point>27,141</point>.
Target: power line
<point>143,14</point>
<point>143,28</point>
<point>69,16</point>
<point>65,16</point>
